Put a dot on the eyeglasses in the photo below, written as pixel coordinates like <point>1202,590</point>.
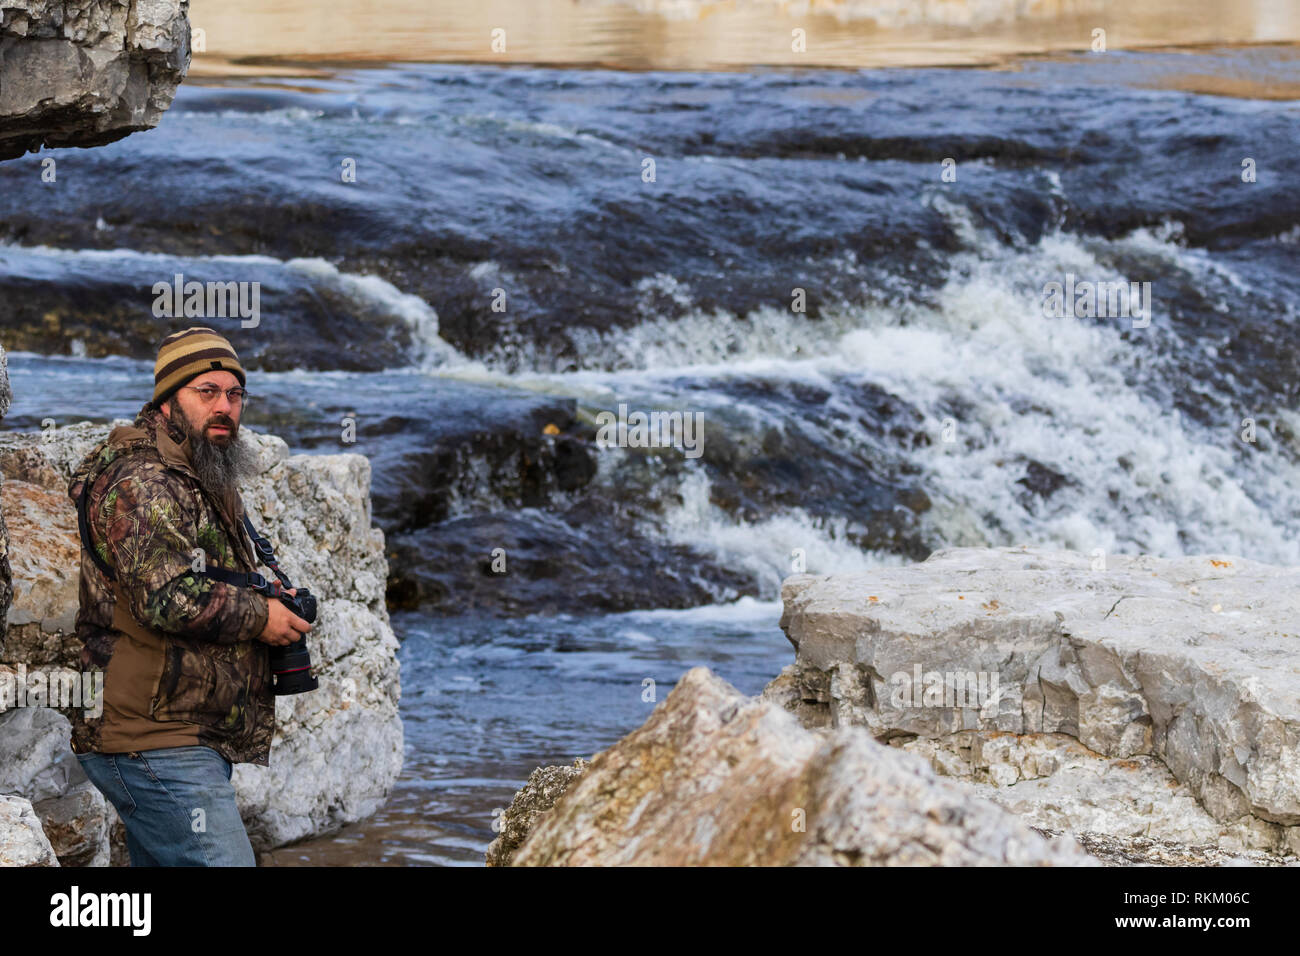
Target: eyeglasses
<point>209,393</point>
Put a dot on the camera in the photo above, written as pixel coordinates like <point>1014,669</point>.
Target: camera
<point>291,666</point>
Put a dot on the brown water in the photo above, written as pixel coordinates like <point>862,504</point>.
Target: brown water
<point>264,35</point>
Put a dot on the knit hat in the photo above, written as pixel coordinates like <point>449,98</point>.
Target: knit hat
<point>183,355</point>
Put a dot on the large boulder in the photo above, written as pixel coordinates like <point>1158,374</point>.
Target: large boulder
<point>1127,696</point>
<point>79,73</point>
<point>337,751</point>
<point>43,612</point>
<point>35,760</point>
<point>718,778</point>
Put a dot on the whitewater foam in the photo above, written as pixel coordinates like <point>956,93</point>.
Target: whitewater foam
<point>769,550</point>
<point>1075,397</point>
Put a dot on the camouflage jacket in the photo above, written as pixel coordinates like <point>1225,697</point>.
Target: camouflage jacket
<point>182,662</point>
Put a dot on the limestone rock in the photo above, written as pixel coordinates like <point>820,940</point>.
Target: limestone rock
<point>22,841</point>
<point>718,778</point>
<point>544,786</point>
<point>338,750</point>
<point>77,825</point>
<point>49,458</point>
<point>1147,851</point>
<point>35,759</point>
<point>1052,781</point>
<point>43,615</point>
<point>1182,664</point>
<point>37,765</point>
<point>84,74</point>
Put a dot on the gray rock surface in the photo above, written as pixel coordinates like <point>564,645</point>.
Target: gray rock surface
<point>87,72</point>
<point>35,759</point>
<point>1054,782</point>
<point>338,750</point>
<point>77,824</point>
<point>718,778</point>
<point>43,612</point>
<point>1146,851</point>
<point>1176,677</point>
<point>22,841</point>
<point>37,765</point>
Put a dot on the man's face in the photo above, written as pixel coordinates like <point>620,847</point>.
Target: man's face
<point>217,422</point>
<point>218,458</point>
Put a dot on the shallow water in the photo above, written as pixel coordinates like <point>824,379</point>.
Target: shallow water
<point>486,701</point>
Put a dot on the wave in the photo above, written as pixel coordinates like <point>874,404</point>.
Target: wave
<point>431,350</point>
<point>1065,431</point>
<point>370,295</point>
<point>768,550</point>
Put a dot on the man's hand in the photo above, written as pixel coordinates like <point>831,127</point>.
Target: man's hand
<point>283,627</point>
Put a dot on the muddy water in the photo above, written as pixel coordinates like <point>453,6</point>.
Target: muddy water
<point>707,34</point>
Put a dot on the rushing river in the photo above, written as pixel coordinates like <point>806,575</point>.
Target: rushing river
<point>507,265</point>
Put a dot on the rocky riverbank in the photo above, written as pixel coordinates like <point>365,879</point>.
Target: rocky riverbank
<point>337,751</point>
<point>1066,708</point>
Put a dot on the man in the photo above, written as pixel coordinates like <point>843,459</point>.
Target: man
<point>187,684</point>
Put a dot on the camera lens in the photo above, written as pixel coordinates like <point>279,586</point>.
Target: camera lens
<point>291,666</point>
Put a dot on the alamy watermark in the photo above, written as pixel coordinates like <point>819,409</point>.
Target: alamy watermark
<point>1082,299</point>
<point>945,689</point>
<point>210,300</point>
<point>684,430</point>
<point>52,687</point>
<point>129,910</point>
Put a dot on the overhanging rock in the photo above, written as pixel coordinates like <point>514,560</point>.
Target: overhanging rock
<point>87,72</point>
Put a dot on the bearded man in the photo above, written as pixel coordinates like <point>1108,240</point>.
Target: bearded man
<point>186,656</point>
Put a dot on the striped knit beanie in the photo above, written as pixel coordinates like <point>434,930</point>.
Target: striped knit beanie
<point>184,355</point>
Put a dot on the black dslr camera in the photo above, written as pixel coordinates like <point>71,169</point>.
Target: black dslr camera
<point>290,666</point>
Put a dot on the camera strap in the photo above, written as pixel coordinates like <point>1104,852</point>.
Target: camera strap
<point>252,579</point>
<point>83,528</point>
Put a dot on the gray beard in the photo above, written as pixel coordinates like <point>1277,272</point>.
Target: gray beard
<point>220,469</point>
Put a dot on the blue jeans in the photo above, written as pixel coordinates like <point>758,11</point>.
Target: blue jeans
<point>177,804</point>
